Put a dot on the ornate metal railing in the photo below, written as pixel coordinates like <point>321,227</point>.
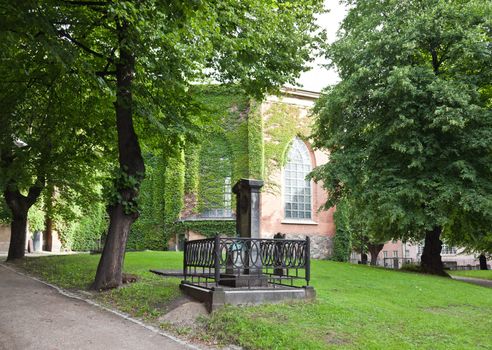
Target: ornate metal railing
<point>247,262</point>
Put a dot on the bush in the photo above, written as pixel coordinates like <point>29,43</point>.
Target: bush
<point>411,267</point>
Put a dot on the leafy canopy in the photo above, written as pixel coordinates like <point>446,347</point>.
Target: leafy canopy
<point>409,126</point>
<point>55,120</point>
<point>259,45</point>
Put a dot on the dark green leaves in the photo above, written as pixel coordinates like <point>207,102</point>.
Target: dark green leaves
<point>409,125</point>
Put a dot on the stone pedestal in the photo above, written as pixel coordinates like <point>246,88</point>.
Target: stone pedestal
<point>248,217</point>
<point>248,207</point>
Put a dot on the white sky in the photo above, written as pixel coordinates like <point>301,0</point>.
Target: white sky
<point>320,77</point>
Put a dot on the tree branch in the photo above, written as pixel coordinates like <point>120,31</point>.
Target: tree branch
<point>435,60</point>
<point>35,190</point>
<point>84,47</point>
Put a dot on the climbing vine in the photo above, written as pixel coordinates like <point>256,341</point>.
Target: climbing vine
<point>256,150</point>
<point>148,231</point>
<point>4,211</point>
<point>174,193</point>
<point>208,228</point>
<point>192,161</point>
<point>215,171</point>
<point>86,233</point>
<point>124,181</point>
<point>283,122</point>
<point>223,151</point>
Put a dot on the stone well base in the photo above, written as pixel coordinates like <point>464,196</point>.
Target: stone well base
<point>217,297</point>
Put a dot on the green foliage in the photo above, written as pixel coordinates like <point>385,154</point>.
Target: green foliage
<point>4,211</point>
<point>176,44</point>
<point>148,231</point>
<point>122,181</point>
<point>87,232</point>
<point>342,245</point>
<point>175,178</point>
<point>409,126</point>
<point>256,152</point>
<point>228,109</point>
<point>36,218</point>
<point>59,113</point>
<point>192,161</point>
<point>161,202</point>
<point>215,169</point>
<point>209,228</point>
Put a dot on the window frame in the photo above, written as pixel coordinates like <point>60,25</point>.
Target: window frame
<point>306,161</point>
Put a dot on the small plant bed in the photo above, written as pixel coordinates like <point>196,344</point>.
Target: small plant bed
<point>481,274</point>
<point>357,307</point>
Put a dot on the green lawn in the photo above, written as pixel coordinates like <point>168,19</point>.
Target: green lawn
<point>483,274</point>
<point>357,307</point>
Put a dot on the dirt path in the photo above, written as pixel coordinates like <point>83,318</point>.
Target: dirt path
<point>36,316</point>
<point>477,281</point>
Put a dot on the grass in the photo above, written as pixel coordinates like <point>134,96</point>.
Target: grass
<point>357,307</point>
<point>482,274</point>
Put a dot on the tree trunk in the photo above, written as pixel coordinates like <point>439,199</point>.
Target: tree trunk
<point>48,233</point>
<point>122,213</point>
<point>18,232</point>
<point>374,249</point>
<point>483,262</point>
<point>431,256</point>
<point>48,220</point>
<point>19,206</point>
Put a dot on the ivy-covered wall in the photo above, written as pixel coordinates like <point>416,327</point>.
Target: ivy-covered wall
<point>223,151</point>
<point>215,160</point>
<point>245,139</point>
<point>283,122</point>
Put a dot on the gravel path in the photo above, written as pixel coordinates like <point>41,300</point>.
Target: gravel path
<point>477,281</point>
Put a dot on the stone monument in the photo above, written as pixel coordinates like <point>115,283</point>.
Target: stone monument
<point>248,193</point>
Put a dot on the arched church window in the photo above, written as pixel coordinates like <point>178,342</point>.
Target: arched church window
<point>297,189</point>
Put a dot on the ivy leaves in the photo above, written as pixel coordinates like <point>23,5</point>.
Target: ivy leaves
<point>122,190</point>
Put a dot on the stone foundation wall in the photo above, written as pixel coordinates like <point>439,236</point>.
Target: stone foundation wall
<point>321,246</point>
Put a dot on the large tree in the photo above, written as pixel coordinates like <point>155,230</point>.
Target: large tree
<point>149,53</point>
<point>53,118</point>
<point>409,126</point>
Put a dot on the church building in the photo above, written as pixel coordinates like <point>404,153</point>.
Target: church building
<point>267,141</point>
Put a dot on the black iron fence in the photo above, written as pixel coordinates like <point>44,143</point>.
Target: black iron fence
<point>247,262</point>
